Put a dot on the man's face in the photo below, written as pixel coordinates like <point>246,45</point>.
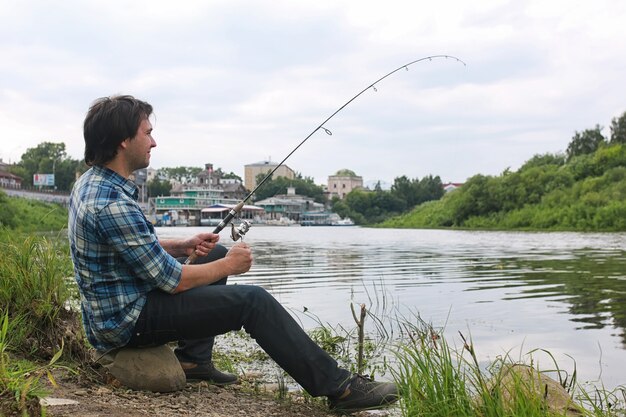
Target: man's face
<point>139,147</point>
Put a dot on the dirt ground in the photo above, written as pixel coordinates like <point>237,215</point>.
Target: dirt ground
<point>194,400</point>
<point>197,399</point>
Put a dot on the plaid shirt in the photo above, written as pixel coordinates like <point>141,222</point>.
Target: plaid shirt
<point>117,257</point>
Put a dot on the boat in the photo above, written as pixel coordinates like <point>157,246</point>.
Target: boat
<point>343,222</point>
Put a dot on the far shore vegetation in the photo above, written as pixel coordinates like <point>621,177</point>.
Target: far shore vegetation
<point>548,193</point>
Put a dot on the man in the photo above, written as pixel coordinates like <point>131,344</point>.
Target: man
<point>134,293</point>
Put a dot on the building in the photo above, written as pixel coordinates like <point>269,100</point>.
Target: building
<point>344,181</point>
<point>251,171</point>
<point>8,180</point>
<point>450,186</point>
<point>186,203</point>
<point>290,206</point>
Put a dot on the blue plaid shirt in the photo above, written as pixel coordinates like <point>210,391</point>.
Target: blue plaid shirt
<point>117,257</point>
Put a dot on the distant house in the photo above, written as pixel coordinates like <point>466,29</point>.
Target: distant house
<point>450,186</point>
<point>187,201</point>
<point>342,183</point>
<point>231,187</point>
<point>290,206</point>
<point>8,180</point>
<point>251,171</point>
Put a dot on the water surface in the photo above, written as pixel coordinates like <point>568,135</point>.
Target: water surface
<point>512,292</point>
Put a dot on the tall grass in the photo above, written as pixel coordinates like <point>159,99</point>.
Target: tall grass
<point>36,325</point>
<point>437,380</point>
<point>35,293</point>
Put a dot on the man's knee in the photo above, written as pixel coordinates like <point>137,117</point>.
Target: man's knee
<point>219,251</point>
<point>258,298</point>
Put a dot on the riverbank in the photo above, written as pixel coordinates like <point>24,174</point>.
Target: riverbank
<point>264,390</point>
<point>198,400</point>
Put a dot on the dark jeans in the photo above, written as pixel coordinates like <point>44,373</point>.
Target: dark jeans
<point>197,315</point>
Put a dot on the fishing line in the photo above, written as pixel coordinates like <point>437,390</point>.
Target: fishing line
<point>238,232</point>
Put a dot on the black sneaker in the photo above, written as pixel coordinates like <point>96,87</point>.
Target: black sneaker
<point>208,372</point>
<point>363,393</point>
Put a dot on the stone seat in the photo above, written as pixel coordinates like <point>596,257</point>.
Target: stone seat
<point>145,369</point>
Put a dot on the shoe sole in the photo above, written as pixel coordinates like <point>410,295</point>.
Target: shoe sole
<point>208,381</point>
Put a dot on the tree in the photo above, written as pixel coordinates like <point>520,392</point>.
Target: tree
<point>543,159</point>
<point>585,142</point>
<point>181,174</point>
<point>618,129</point>
<point>49,158</point>
<point>414,192</point>
<point>158,187</point>
<point>477,198</point>
<point>231,175</point>
<point>429,188</point>
<point>304,186</point>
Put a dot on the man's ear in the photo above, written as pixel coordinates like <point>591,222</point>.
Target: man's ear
<point>124,143</point>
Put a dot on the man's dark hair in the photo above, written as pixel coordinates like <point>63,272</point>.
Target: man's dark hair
<point>110,121</point>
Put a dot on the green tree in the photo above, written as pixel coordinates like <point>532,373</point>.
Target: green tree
<point>618,129</point>
<point>219,173</point>
<point>181,174</point>
<point>557,159</point>
<point>429,188</point>
<point>416,191</point>
<point>585,142</point>
<point>478,198</point>
<point>402,188</point>
<point>303,186</point>
<point>231,175</point>
<point>158,187</point>
<point>49,158</point>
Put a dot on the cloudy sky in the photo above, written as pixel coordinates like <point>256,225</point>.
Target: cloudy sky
<point>237,82</point>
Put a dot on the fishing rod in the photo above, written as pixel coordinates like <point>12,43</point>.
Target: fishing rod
<point>242,229</point>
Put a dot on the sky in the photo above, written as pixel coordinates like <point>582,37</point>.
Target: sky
<point>238,82</point>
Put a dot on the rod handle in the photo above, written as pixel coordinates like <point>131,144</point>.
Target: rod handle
<point>232,213</point>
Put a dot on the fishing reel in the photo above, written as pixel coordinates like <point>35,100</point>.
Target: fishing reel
<point>239,232</point>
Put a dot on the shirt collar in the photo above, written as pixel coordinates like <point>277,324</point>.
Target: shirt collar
<point>128,187</point>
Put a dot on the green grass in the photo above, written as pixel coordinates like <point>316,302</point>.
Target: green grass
<point>20,380</point>
<point>34,290</point>
<point>37,328</point>
<point>437,380</point>
<point>20,214</point>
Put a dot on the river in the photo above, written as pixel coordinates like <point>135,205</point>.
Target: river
<point>512,292</point>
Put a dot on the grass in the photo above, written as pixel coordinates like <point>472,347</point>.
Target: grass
<point>37,327</point>
<point>437,380</point>
<point>25,215</point>
<point>20,387</point>
<point>35,292</point>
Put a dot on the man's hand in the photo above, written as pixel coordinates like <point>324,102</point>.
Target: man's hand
<point>240,258</point>
<point>237,261</point>
<point>201,244</point>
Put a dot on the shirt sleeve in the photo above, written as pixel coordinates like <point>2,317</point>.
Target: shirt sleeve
<point>123,226</point>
